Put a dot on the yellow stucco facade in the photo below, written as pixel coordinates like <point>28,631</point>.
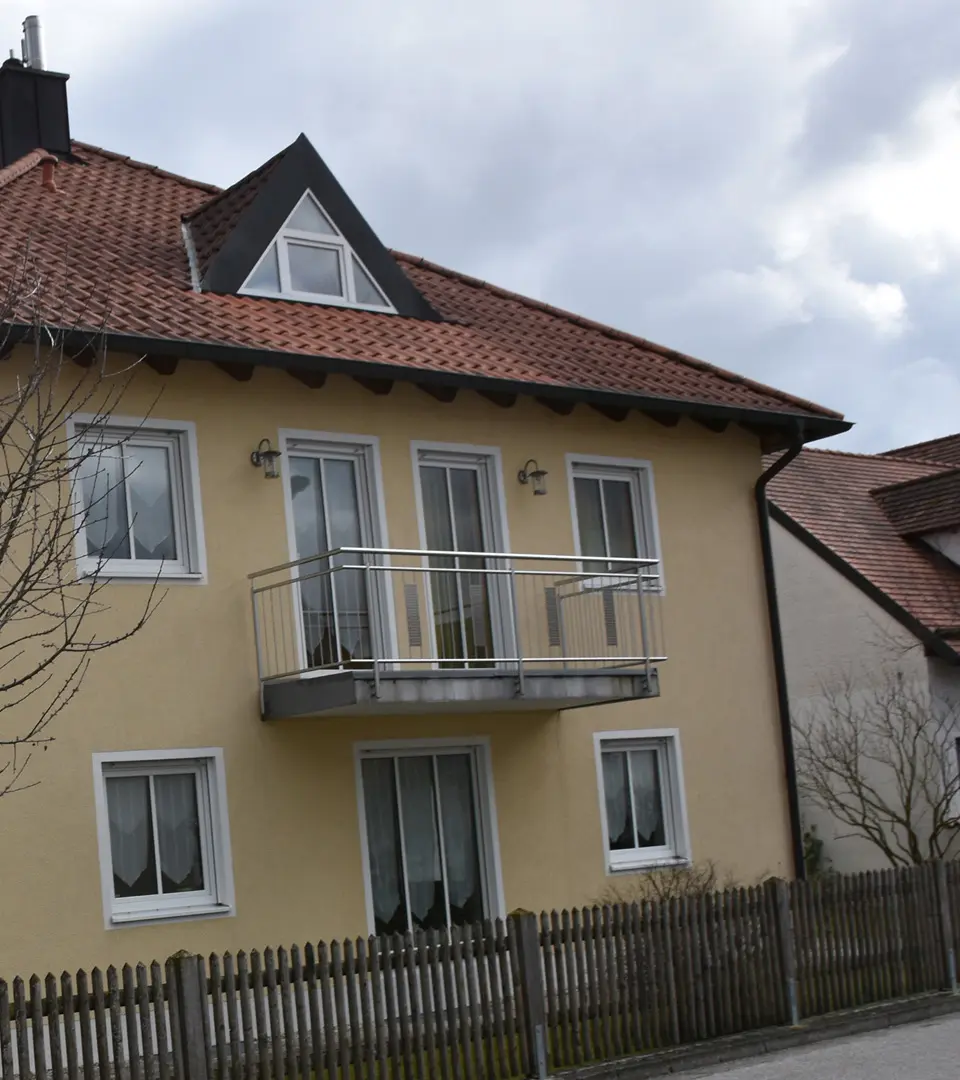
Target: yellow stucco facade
<point>188,679</point>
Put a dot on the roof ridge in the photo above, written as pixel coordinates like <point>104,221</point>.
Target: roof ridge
<point>883,456</point>
<point>221,193</point>
<point>22,165</point>
<point>917,445</point>
<point>620,335</point>
<point>125,159</point>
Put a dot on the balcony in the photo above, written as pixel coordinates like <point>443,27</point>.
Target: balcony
<point>374,631</point>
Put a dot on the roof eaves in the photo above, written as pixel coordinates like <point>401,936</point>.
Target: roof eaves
<point>806,426</point>
<point>929,636</point>
<point>619,335</point>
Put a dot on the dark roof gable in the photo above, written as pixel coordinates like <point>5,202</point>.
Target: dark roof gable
<point>233,230</point>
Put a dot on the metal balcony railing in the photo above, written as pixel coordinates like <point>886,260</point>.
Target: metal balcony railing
<point>384,609</point>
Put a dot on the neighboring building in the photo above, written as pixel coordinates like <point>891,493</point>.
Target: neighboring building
<point>867,556</point>
<point>448,736</point>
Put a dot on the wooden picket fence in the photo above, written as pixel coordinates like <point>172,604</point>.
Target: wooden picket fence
<point>498,1000</point>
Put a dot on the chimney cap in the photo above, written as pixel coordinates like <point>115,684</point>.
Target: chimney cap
<point>32,43</point>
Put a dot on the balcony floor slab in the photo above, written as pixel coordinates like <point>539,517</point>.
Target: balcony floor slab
<point>356,693</point>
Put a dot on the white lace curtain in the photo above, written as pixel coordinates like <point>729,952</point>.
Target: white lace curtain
<point>177,825</point>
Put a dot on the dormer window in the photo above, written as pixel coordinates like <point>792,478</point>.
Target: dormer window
<point>310,260</point>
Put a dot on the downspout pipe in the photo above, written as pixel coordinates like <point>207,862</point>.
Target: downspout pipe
<point>776,642</point>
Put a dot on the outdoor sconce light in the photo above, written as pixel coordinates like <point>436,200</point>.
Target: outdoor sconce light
<point>535,474</point>
<point>269,458</point>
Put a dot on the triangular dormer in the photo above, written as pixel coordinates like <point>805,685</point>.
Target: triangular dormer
<point>311,260</point>
<point>289,231</point>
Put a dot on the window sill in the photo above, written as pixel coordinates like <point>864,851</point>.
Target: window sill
<point>641,865</point>
<point>165,915</point>
<point>138,576</point>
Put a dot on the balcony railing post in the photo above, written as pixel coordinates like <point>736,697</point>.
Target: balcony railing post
<point>512,579</point>
<point>644,644</point>
<point>256,634</point>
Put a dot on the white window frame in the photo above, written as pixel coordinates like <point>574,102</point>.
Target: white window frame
<point>488,461</point>
<point>676,852</point>
<point>365,449</point>
<point>218,899</point>
<point>478,746</point>
<point>180,436</point>
<point>329,241</point>
<point>639,473</point>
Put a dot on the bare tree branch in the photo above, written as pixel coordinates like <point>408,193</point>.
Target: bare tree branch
<point>882,761</point>
<point>52,620</point>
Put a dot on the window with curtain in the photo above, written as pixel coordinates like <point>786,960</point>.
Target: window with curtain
<point>424,844</point>
<point>641,802</point>
<point>138,507</point>
<point>164,835</point>
<point>614,515</point>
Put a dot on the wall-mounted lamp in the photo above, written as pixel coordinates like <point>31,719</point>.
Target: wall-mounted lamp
<point>534,475</point>
<point>266,456</point>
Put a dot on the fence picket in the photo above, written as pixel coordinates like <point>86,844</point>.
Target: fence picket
<point>116,1026</point>
<point>142,991</point>
<point>313,1005</point>
<point>6,1037</point>
<point>273,1010</point>
<point>414,1009</point>
<point>436,1028</point>
<point>300,1010</point>
<point>397,1040</point>
<point>20,1023</point>
<point>354,1056</point>
<point>463,1005</point>
<point>377,977</point>
<point>260,1013</point>
<point>582,1014</point>
<point>509,996</point>
<point>326,1001</point>
<point>340,1007</point>
<point>246,1019</point>
<point>234,1031</point>
<point>497,1034</point>
<point>286,1013</point>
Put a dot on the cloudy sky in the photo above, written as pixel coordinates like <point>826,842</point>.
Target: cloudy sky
<point>772,185</point>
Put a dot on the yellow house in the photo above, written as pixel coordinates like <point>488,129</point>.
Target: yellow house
<point>462,599</point>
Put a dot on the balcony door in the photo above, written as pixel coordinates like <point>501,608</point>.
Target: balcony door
<point>468,604</point>
<point>331,507</point>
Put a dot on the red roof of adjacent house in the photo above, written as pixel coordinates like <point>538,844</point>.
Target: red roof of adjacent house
<point>112,235</point>
<point>839,498</point>
<point>927,505</point>
<point>945,449</point>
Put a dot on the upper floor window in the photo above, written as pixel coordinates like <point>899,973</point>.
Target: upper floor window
<point>139,499</point>
<point>311,260</point>
<point>614,513</point>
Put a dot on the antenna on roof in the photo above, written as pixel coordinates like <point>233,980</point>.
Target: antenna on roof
<point>32,43</point>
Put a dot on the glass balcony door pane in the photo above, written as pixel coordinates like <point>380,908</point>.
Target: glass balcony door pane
<point>423,841</point>
<point>325,496</point>
<point>454,521</point>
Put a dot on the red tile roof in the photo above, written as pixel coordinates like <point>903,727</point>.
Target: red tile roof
<point>945,449</point>
<point>111,236</point>
<point>831,495</point>
<point>929,504</point>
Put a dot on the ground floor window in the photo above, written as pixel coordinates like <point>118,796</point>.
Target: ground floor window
<point>164,843</point>
<point>642,801</point>
<point>427,826</point>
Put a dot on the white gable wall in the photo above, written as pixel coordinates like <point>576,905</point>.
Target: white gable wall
<point>834,634</point>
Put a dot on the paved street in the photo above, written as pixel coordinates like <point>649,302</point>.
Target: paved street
<point>927,1051</point>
